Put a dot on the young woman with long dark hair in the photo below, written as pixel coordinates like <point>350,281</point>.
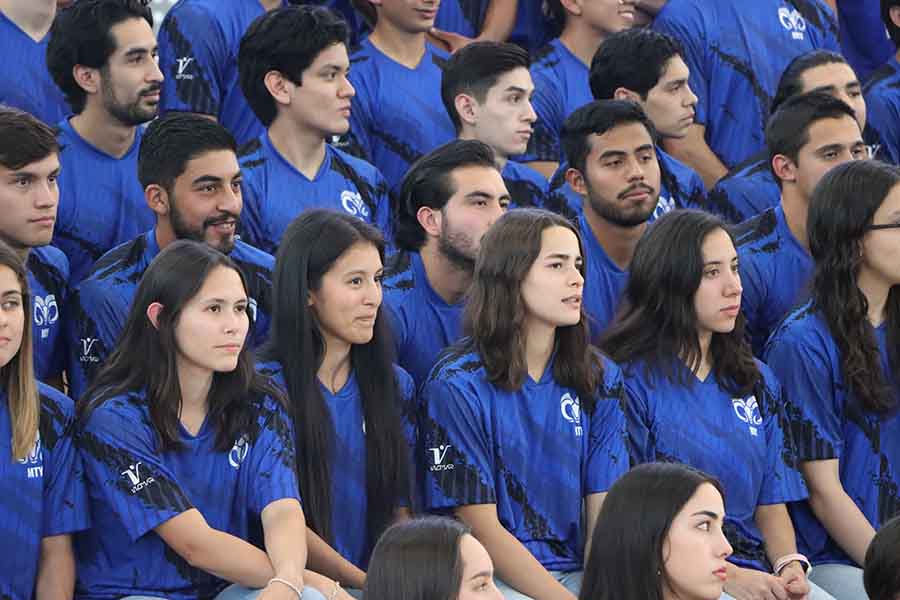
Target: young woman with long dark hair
<point>351,407</point>
<point>187,448</point>
<point>696,395</point>
<point>838,357</point>
<point>523,425</point>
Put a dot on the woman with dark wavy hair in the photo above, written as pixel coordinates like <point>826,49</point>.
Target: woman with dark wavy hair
<point>696,395</point>
<point>523,423</point>
<point>838,357</point>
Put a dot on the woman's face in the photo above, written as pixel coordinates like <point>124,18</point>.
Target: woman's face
<point>881,247</point>
<point>553,286</point>
<point>349,295</point>
<point>478,572</point>
<point>213,325</point>
<point>717,301</point>
<point>12,315</point>
<point>695,549</point>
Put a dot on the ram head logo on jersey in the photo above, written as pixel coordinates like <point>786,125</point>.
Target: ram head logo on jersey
<point>792,21</point>
<point>570,408</point>
<point>239,451</point>
<point>438,454</point>
<point>34,460</point>
<point>353,204</point>
<point>46,313</point>
<point>183,63</point>
<point>748,412</point>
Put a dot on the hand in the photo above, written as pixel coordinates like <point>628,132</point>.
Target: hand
<point>794,579</point>
<point>750,584</point>
<point>453,41</point>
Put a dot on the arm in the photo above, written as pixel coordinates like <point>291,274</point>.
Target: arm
<point>694,151</point>
<point>325,560</point>
<point>56,569</point>
<point>514,564</point>
<point>778,532</point>
<point>283,526</point>
<point>592,505</point>
<point>836,511</point>
<point>499,20</point>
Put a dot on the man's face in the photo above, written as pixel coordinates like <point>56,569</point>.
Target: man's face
<point>671,104</point>
<point>831,142</point>
<point>409,16</point>
<point>131,81</point>
<point>322,101</point>
<point>28,200</point>
<point>607,16</point>
<point>838,80</point>
<point>504,121</point>
<point>205,204</point>
<point>622,176</point>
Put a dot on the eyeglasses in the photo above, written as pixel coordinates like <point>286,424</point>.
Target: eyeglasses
<point>884,226</point>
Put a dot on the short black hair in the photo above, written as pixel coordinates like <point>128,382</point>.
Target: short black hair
<point>475,69</point>
<point>596,118</point>
<point>82,35</point>
<point>893,30</point>
<point>881,573</point>
<point>788,129</point>
<point>24,139</point>
<point>171,141</point>
<point>791,83</point>
<point>634,59</point>
<point>286,40</point>
<point>428,183</point>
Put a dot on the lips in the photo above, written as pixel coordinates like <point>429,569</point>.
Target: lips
<point>722,573</point>
<point>573,301</point>
<point>732,310</point>
<point>43,221</point>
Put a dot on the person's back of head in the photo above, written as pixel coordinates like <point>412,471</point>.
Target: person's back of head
<point>881,571</point>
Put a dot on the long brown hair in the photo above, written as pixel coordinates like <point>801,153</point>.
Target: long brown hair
<point>17,376</point>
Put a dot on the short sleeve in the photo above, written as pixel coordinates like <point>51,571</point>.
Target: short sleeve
<point>270,462</point>
<point>362,120</point>
<point>65,495</point>
<point>253,229</point>
<point>883,124</point>
<point>782,481</point>
<point>126,473</point>
<point>689,27</point>
<point>544,144</point>
<point>607,458</point>
<point>638,424</point>
<point>458,449</point>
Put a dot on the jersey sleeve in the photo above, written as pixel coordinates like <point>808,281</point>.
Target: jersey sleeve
<point>544,144</point>
<point>607,458</point>
<point>458,449</point>
<point>362,119</point>
<point>638,423</point>
<point>126,472</point>
<point>192,52</point>
<point>688,26</point>
<point>253,229</point>
<point>782,481</point>
<point>271,461</point>
<point>382,216</point>
<point>883,124</point>
<point>65,495</point>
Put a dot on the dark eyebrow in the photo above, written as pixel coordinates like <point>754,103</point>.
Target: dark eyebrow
<point>824,88</point>
<point>560,256</point>
<point>480,574</point>
<point>480,194</point>
<point>515,88</point>
<point>206,179</point>
<point>705,513</point>
<point>140,51</point>
<point>830,147</point>
<point>677,81</point>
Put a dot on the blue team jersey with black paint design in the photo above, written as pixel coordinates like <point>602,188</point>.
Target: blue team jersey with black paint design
<point>422,322</point>
<point>41,495</point>
<point>604,282</point>
<point>535,452</point>
<point>101,201</point>
<point>27,84</point>
<point>99,306</point>
<point>829,423</point>
<point>775,270</point>
<point>464,17</point>
<point>747,191</point>
<point>275,192</point>
<point>348,464</point>
<point>198,49</point>
<point>743,441</point>
<point>864,39</point>
<point>397,115</point>
<point>48,276</point>
<point>560,87</point>
<point>527,188</point>
<point>882,93</point>
<point>736,51</point>
<point>134,488</point>
<point>680,187</point>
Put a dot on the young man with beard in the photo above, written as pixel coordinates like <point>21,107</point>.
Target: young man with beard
<point>447,201</point>
<point>614,167</point>
<point>192,183</point>
<point>102,55</point>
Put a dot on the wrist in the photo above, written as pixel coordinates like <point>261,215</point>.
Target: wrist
<point>792,561</point>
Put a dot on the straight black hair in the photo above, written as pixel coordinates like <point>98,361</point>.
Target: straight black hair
<point>24,139</point>
<point>634,59</point>
<point>881,572</point>
<point>791,82</point>
<point>596,118</point>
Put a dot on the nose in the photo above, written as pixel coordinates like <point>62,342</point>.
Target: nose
<point>237,323</point>
<point>577,279</point>
<point>733,285</point>
<point>635,169</point>
<point>347,90</point>
<point>47,196</point>
<point>155,74</point>
<point>374,295</point>
<point>530,115</point>
<point>691,96</point>
<point>723,548</point>
<point>231,200</point>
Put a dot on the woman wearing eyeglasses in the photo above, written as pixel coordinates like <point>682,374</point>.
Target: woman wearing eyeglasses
<point>838,358</point>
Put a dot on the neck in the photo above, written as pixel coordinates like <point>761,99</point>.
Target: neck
<point>34,17</point>
<point>618,242</point>
<point>305,150</point>
<point>448,280</point>
<point>404,47</point>
<point>704,338</point>
<point>876,291</point>
<point>796,208</point>
<point>500,157</point>
<point>103,132</point>
<point>164,233</point>
<point>581,40</point>
<point>335,367</point>
<point>195,383</point>
<point>540,339</point>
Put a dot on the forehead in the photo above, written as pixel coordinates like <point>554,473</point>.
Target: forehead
<point>558,239</point>
<point>843,130</point>
<point>716,245</point>
<point>8,280</point>
<point>45,165</point>
<point>222,282</point>
<point>474,178</point>
<point>335,54</point>
<point>519,77</point>
<point>832,74</point>
<point>706,497</point>
<point>218,163</point>
<point>626,137</point>
<point>675,68</point>
<point>132,33</point>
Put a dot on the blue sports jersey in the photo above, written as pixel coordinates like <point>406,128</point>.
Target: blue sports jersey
<point>348,464</point>
<point>775,269</point>
<point>527,188</point>
<point>198,49</point>
<point>864,39</point>
<point>398,114</point>
<point>746,191</point>
<point>532,29</point>
<point>560,87</point>
<point>740,441</point>
<point>99,306</point>
<point>42,495</point>
<point>604,282</point>
<point>27,84</point>
<point>736,51</point>
<point>101,201</point>
<point>275,192</point>
<point>48,274</point>
<point>883,109</point>
<point>680,187</point>
<point>533,452</point>
<point>135,488</point>
<point>422,323</point>
<point>829,423</point>
<point>464,17</point>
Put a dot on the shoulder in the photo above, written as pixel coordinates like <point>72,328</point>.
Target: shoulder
<point>881,79</point>
<point>457,366</point>
<point>803,326</point>
<point>685,13</point>
<point>359,166</point>
<point>246,255</point>
<point>405,382</point>
<point>518,171</point>
<point>251,154</point>
<point>272,370</point>
<point>399,276</point>
<point>195,15</point>
<point>123,257</point>
<point>116,416</point>
<point>546,62</point>
<point>49,266</point>
<point>757,231</point>
<point>361,56</point>
<point>57,412</point>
